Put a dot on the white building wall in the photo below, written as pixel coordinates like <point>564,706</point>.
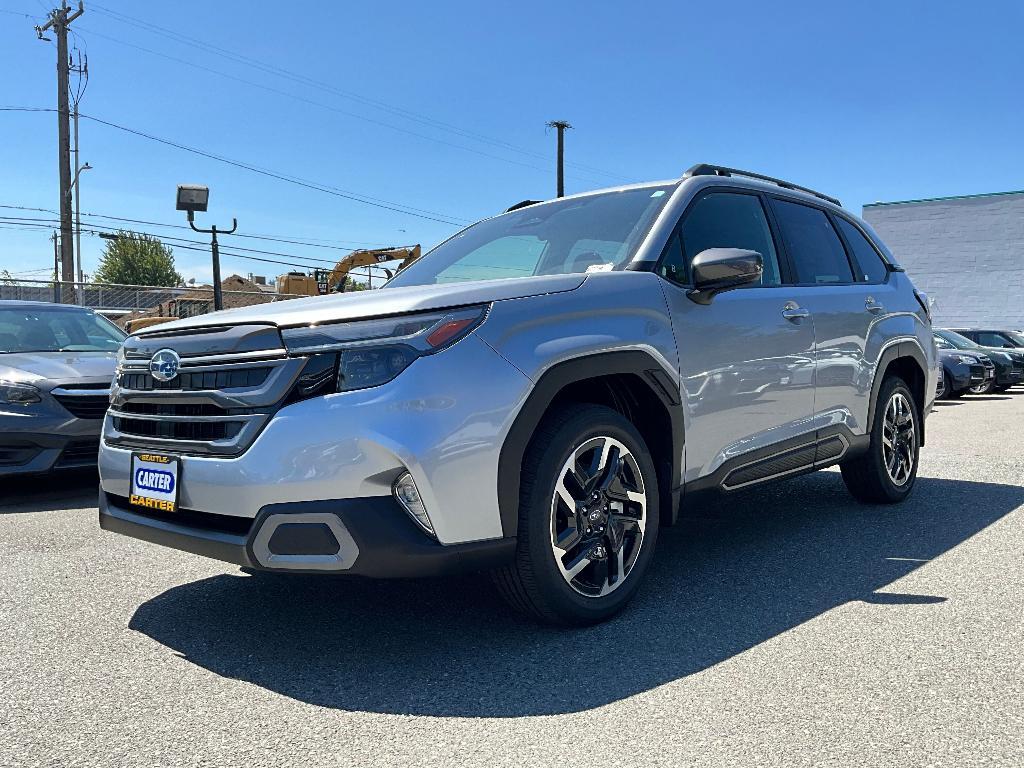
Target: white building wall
<point>966,253</point>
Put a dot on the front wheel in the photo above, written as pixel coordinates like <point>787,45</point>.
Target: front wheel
<point>588,518</point>
<point>984,388</point>
<point>947,387</point>
<point>887,472</point>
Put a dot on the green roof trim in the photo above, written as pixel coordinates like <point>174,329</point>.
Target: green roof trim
<point>942,199</point>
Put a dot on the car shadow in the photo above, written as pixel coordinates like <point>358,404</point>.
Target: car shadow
<point>949,402</point>
<point>49,492</point>
<point>738,572</point>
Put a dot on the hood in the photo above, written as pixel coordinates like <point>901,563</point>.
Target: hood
<point>386,301</point>
<point>1001,353</point>
<point>58,367</point>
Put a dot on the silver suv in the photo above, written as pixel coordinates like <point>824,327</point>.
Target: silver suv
<point>536,397</point>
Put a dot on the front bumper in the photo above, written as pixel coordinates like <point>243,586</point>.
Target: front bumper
<point>36,444</point>
<point>963,375</point>
<point>371,537</point>
<point>1009,375</point>
<point>443,420</point>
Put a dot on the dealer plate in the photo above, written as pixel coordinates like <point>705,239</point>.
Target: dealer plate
<point>155,481</point>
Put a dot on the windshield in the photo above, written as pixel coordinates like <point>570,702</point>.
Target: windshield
<point>958,341</point>
<point>595,233</point>
<point>1016,338</point>
<point>55,329</point>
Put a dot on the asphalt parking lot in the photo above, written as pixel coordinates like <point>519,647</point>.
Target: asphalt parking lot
<point>787,626</point>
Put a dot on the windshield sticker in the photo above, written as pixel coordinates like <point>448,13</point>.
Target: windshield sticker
<point>600,268</point>
<point>659,193</point>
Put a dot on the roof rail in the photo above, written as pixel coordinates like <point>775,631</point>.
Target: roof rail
<point>522,204</point>
<point>706,169</point>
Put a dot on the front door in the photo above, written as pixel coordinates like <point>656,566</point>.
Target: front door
<point>747,358</point>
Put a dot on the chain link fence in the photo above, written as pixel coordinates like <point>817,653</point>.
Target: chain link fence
<point>125,302</point>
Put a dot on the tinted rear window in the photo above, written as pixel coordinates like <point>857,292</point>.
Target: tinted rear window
<point>817,253</point>
<point>872,267</point>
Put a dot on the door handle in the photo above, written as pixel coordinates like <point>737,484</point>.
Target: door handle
<point>793,311</point>
<point>873,306</point>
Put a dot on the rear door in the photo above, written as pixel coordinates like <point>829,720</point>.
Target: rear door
<point>746,359</point>
<point>843,307</point>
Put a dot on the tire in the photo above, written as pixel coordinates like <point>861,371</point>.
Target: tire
<point>947,387</point>
<point>868,477</point>
<point>1002,388</point>
<point>957,394</point>
<point>542,582</point>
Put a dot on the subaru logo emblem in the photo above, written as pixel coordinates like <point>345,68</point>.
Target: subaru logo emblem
<point>163,366</point>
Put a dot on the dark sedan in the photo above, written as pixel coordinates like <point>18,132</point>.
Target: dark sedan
<point>1008,363</point>
<point>56,366</point>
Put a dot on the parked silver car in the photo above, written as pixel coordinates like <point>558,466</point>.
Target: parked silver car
<point>56,366</point>
<point>535,397</point>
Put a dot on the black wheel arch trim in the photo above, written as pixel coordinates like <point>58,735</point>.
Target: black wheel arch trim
<point>896,351</point>
<point>550,384</point>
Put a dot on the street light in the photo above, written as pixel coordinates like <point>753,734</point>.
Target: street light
<point>78,226</point>
<point>193,198</point>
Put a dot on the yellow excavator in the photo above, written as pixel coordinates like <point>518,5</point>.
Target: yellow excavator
<point>333,281</point>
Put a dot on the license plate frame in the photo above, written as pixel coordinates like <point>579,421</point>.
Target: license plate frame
<point>148,494</point>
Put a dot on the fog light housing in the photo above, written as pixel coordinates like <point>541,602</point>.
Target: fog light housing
<point>408,495</point>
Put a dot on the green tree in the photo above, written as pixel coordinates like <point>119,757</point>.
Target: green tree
<point>134,259</point>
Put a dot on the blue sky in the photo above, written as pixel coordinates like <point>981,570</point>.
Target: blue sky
<point>442,106</point>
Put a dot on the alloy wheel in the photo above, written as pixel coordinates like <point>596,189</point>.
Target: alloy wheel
<point>899,439</point>
<point>598,516</point>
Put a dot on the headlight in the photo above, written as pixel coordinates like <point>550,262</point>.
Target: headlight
<point>373,352</point>
<point>18,394</point>
<point>968,359</point>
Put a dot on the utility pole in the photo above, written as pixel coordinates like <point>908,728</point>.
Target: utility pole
<point>60,22</point>
<point>82,70</point>
<point>560,126</point>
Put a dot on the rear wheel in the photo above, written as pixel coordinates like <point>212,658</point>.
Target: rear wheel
<point>588,518</point>
<point>887,472</point>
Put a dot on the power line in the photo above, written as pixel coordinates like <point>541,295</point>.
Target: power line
<point>314,185</point>
<point>183,244</point>
<point>320,104</point>
<point>311,242</point>
<point>94,227</point>
<point>405,114</point>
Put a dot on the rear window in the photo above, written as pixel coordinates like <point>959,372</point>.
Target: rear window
<point>872,268</point>
<point>817,253</point>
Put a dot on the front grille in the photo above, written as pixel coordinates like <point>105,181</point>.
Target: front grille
<point>79,453</point>
<point>230,382</point>
<point>173,409</point>
<point>85,406</point>
<point>196,381</point>
<point>203,431</point>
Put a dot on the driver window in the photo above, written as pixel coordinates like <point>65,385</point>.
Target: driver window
<point>721,220</point>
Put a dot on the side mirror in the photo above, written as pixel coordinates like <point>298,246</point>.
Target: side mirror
<point>722,269</point>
